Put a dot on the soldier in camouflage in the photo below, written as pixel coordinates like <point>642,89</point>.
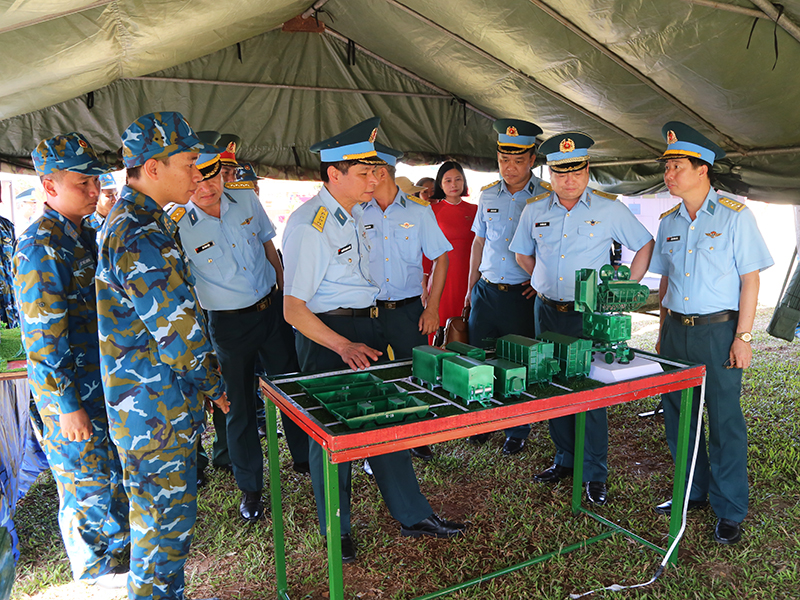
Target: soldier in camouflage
<point>8,308</point>
<point>54,282</point>
<point>158,367</point>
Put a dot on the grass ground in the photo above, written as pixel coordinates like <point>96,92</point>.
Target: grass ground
<point>511,518</point>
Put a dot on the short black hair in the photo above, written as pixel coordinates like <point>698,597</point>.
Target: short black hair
<point>438,192</point>
<point>343,166</point>
<point>697,163</point>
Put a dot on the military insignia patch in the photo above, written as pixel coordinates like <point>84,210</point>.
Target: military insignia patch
<point>546,186</point>
<point>605,195</point>
<point>340,216</point>
<point>669,212</point>
<point>344,249</point>
<point>247,221</point>
<point>85,262</point>
<point>512,131</point>
<point>539,197</point>
<point>406,225</point>
<point>671,137</point>
<point>373,135</point>
<point>231,148</point>
<point>177,215</point>
<point>566,145</point>
<point>492,210</point>
<point>674,238</point>
<point>205,246</point>
<point>542,224</point>
<point>713,234</point>
<point>592,222</point>
<point>486,187</point>
<point>82,144</point>
<point>319,219</point>
<point>731,203</point>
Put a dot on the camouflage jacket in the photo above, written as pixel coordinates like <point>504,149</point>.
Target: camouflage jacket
<point>54,269</point>
<point>8,309</point>
<point>157,363</point>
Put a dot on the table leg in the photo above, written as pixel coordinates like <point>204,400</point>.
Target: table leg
<point>273,464</point>
<point>333,528</point>
<point>681,458</point>
<point>577,466</point>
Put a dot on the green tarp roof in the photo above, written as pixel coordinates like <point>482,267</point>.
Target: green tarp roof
<point>436,72</point>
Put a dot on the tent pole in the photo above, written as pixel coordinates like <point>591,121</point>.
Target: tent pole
<point>536,84</point>
<point>314,8</point>
<point>750,12</point>
<point>781,19</point>
<point>46,18</point>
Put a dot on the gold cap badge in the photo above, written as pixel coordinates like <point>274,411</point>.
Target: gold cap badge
<point>671,137</point>
<point>512,131</point>
<point>373,135</point>
<point>566,145</point>
<point>231,148</point>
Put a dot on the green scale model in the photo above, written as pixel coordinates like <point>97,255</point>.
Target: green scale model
<point>574,355</point>
<point>536,355</point>
<point>468,379</point>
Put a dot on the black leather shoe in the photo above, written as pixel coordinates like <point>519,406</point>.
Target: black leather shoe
<point>597,492</point>
<point>423,452</point>
<point>727,531</point>
<point>513,446</point>
<point>434,526</point>
<point>348,549</point>
<point>251,507</point>
<point>301,467</point>
<point>553,475</point>
<point>479,439</point>
<point>665,508</point>
<point>202,478</point>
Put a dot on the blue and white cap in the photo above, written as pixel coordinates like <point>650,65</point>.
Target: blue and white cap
<point>567,152</point>
<point>685,142</point>
<point>356,143</point>
<point>388,155</point>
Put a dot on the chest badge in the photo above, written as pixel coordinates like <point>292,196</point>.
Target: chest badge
<point>592,222</point>
<point>344,249</point>
<point>406,225</point>
<point>369,226</point>
<point>542,224</point>
<point>492,210</point>
<point>713,234</point>
<point>674,238</point>
<point>247,221</point>
<point>205,246</point>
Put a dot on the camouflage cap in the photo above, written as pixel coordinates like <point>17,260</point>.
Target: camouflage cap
<point>69,152</point>
<point>107,182</point>
<point>158,135</point>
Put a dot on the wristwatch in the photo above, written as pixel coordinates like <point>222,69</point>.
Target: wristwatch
<point>745,336</point>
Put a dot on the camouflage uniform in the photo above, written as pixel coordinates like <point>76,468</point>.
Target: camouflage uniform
<point>54,281</point>
<point>158,368</point>
<point>8,309</point>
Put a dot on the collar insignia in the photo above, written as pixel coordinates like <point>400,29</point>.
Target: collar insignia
<point>340,216</point>
<point>713,234</point>
<point>192,217</point>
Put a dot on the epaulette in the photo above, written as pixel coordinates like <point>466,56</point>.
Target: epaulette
<point>670,211</point>
<point>178,213</point>
<point>418,200</point>
<point>605,195</point>
<point>539,197</point>
<point>486,187</point>
<point>730,203</point>
<point>546,186</point>
<point>319,219</point>
<point>240,185</point>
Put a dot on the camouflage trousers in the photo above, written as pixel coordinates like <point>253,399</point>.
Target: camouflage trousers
<point>162,487</point>
<point>93,506</point>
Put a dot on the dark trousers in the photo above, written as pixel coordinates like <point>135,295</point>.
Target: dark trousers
<point>495,314</point>
<point>721,472</point>
<point>239,339</point>
<point>393,472</point>
<point>401,329</point>
<point>562,429</point>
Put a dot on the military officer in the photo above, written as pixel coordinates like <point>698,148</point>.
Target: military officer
<point>8,308</point>
<point>400,229</point>
<point>562,231</point>
<point>709,253</point>
<point>54,283</point>
<point>330,299</point>
<point>499,293</point>
<point>227,238</point>
<point>157,364</point>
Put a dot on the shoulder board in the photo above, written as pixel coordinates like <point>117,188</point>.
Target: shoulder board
<point>670,211</point>
<point>730,203</point>
<point>539,197</point>
<point>319,219</point>
<point>418,200</point>
<point>546,186</point>
<point>240,185</point>
<point>486,187</point>
<point>605,195</point>
<point>177,214</point>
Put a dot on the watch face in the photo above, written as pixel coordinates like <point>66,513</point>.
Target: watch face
<point>745,337</point>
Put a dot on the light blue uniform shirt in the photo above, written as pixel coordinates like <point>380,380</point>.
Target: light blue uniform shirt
<point>564,241</point>
<point>496,220</point>
<point>227,254</point>
<point>326,254</point>
<point>398,237</point>
<point>705,258</point>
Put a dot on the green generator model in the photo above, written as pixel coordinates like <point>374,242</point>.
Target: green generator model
<point>574,354</point>
<point>509,377</point>
<point>468,379</point>
<point>426,365</point>
<point>536,355</point>
<point>466,350</point>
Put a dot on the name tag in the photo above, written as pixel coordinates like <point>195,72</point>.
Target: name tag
<point>542,224</point>
<point>674,238</point>
<point>492,210</point>
<point>84,262</point>
<point>345,249</point>
<point>205,246</point>
<point>369,226</point>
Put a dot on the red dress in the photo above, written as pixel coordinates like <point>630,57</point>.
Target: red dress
<point>455,220</point>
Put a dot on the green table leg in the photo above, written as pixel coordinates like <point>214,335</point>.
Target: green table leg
<point>333,528</point>
<point>681,458</point>
<point>273,464</point>
<point>577,467</point>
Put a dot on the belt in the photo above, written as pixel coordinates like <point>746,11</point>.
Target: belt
<point>504,287</point>
<point>262,304</point>
<point>692,320</point>
<point>392,304</point>
<point>559,306</point>
<point>370,311</point>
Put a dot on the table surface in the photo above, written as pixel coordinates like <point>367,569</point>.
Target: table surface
<point>450,419</point>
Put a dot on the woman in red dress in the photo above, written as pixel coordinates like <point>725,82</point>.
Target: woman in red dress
<point>455,218</point>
